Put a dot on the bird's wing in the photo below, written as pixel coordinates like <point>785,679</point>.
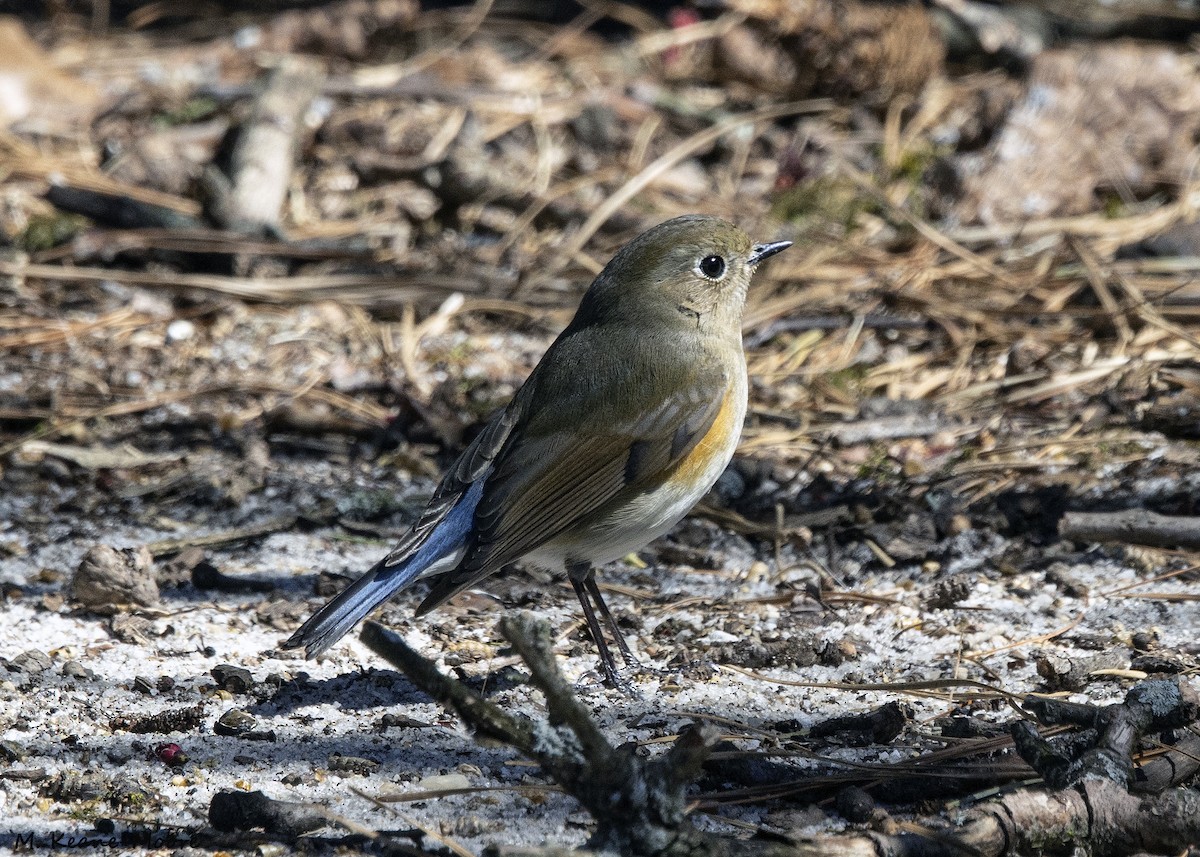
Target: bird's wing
<point>470,466</point>
<point>550,474</point>
<point>438,538</point>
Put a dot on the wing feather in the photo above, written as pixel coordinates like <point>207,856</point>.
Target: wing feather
<point>470,466</point>
<point>545,481</point>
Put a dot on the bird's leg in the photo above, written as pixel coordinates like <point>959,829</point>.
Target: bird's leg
<point>589,615</point>
<point>593,589</point>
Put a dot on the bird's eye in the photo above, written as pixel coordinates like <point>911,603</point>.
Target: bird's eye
<point>712,267</point>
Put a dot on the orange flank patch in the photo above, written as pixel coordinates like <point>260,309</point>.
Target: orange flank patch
<point>715,445</point>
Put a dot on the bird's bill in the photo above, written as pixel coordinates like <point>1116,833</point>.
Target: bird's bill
<point>763,251</point>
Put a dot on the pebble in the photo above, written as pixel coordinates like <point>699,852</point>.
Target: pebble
<point>180,329</point>
<point>234,722</point>
<point>31,662</point>
<point>232,678</point>
<point>107,578</point>
<point>13,752</point>
<point>118,754</point>
<point>143,685</point>
<point>340,764</point>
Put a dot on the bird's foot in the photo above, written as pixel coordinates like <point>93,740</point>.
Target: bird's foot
<point>602,678</point>
<point>623,678</point>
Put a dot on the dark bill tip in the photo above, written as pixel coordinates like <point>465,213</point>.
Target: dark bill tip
<point>763,251</point>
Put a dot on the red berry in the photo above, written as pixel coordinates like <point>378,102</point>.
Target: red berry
<point>170,754</point>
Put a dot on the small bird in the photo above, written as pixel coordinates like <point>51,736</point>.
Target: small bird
<point>624,424</point>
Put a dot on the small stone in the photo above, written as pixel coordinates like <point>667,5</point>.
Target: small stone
<point>443,782</point>
<point>232,678</point>
<point>855,805</point>
<point>143,685</point>
<point>31,662</point>
<point>1144,641</point>
<point>48,575</point>
<point>130,628</point>
<point>340,764</point>
<point>108,579</point>
<point>180,329</point>
<point>118,754</point>
<point>234,722</point>
<point>958,524</point>
<point>11,752</point>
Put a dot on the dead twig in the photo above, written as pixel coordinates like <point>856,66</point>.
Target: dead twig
<point>368,287</point>
<point>640,805</point>
<point>232,810</point>
<point>1132,526</point>
<point>266,149</point>
<point>165,547</point>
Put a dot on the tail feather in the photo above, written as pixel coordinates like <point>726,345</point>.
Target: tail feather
<point>335,619</point>
<point>440,552</point>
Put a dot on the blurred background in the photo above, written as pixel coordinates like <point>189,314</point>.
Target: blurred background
<point>348,229</point>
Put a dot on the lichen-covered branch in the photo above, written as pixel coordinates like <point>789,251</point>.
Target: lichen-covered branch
<point>1105,749</point>
<point>485,718</point>
<point>640,805</point>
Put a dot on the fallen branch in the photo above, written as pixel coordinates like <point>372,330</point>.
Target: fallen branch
<point>237,810</point>
<point>1132,526</point>
<point>119,210</point>
<point>640,805</point>
<point>265,153</point>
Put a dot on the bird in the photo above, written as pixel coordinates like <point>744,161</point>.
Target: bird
<point>625,423</point>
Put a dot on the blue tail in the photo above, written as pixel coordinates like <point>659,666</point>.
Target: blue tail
<point>440,552</point>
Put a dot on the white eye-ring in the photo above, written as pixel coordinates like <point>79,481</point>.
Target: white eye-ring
<point>712,267</point>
